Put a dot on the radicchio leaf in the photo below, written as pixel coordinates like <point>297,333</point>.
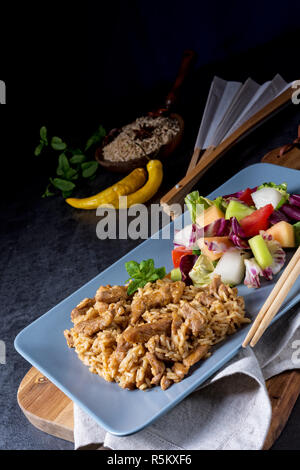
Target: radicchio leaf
<point>186,264</point>
<point>295,199</point>
<point>188,236</point>
<point>253,271</point>
<point>237,234</point>
<point>218,228</point>
<point>216,247</point>
<point>278,255</point>
<point>292,211</point>
<point>278,216</point>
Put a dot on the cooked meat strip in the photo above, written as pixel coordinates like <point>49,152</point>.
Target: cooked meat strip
<point>165,383</point>
<point>180,370</point>
<point>157,368</point>
<point>142,333</point>
<point>82,308</point>
<point>167,292</point>
<point>122,345</point>
<point>69,338</point>
<point>205,299</point>
<point>101,306</point>
<point>196,355</point>
<point>118,355</point>
<point>195,318</point>
<point>90,327</point>
<point>215,284</point>
<point>110,294</point>
<point>176,323</point>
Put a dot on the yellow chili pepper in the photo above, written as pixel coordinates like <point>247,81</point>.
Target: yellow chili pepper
<point>127,185</point>
<point>146,192</point>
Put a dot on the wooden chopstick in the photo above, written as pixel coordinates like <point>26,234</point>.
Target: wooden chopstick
<point>194,159</point>
<point>274,300</point>
<point>198,156</point>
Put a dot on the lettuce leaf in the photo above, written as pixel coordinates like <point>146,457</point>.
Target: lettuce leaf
<point>297,233</point>
<point>220,203</point>
<point>196,204</point>
<point>202,271</point>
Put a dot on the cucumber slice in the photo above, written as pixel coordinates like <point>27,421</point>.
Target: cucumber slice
<point>261,251</point>
<point>238,210</point>
<point>176,275</point>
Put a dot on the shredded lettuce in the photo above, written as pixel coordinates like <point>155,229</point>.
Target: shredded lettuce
<point>202,271</point>
<point>282,188</point>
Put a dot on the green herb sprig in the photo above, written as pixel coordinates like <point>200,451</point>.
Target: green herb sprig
<point>142,273</point>
<point>73,164</point>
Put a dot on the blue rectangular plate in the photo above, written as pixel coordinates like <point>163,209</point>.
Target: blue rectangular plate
<point>124,412</point>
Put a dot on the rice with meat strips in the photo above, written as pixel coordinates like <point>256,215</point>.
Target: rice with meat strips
<point>156,335</point>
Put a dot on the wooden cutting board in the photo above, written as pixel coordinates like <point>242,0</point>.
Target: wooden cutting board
<point>51,411</point>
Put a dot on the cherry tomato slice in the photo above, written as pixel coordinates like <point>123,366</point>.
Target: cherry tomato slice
<point>246,197</point>
<point>177,254</point>
<point>258,220</point>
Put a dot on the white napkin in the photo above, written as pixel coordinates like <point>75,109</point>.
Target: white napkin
<point>232,410</point>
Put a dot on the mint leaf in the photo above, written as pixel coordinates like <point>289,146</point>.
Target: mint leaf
<point>47,192</point>
<point>66,194</point>
<point>77,158</point>
<point>63,165</point>
<point>133,286</point>
<point>71,174</point>
<point>147,266</point>
<point>38,149</point>
<point>58,144</point>
<point>96,138</point>
<point>161,272</point>
<point>89,169</point>
<point>62,184</point>
<point>141,274</point>
<point>133,269</point>
<point>43,134</point>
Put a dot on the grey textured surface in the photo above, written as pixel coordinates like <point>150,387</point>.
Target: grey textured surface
<point>48,250</point>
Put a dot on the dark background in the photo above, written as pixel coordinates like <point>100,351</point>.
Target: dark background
<point>73,66</point>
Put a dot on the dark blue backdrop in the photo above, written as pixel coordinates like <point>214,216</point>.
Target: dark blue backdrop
<point>136,45</point>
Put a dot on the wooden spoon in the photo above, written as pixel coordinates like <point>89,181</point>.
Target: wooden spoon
<point>188,60</point>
